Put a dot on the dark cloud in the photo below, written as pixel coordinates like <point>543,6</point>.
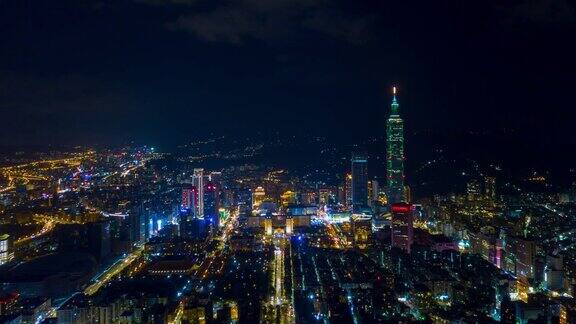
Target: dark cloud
<point>354,30</point>
<point>166,2</point>
<point>281,20</point>
<point>70,93</point>
<point>541,11</point>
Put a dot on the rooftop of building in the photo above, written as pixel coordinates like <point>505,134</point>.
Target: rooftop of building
<point>63,263</point>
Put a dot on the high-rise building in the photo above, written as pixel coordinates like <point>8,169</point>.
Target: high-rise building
<point>402,227</point>
<point>473,190</point>
<point>138,219</point>
<point>490,187</point>
<point>407,193</point>
<point>6,252</point>
<point>395,153</point>
<point>359,181</point>
<point>198,182</point>
<point>186,198</point>
<point>370,193</point>
<point>215,177</point>
<point>94,238</point>
<point>348,190</point>
<point>244,201</point>
<point>192,228</point>
<point>98,234</point>
<point>190,200</point>
<point>258,197</point>
<point>211,205</point>
<point>375,190</point>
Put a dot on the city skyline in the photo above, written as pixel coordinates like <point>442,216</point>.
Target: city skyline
<point>287,162</point>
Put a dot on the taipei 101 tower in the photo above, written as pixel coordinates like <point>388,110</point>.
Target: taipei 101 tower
<point>395,153</point>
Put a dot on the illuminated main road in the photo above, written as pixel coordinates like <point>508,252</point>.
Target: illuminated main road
<point>338,239</point>
<point>47,228</point>
<point>107,275</point>
<point>215,259</point>
<point>49,223</point>
<point>279,308</point>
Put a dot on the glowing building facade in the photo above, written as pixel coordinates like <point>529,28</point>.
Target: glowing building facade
<point>402,226</point>
<point>198,181</point>
<point>190,199</point>
<point>6,253</point>
<point>258,197</point>
<point>395,153</point>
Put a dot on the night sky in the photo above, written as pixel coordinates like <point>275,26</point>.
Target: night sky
<point>85,72</point>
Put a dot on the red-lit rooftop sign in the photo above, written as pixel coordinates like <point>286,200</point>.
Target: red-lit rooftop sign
<point>402,208</point>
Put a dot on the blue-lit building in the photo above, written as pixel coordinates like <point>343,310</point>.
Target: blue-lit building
<point>359,181</point>
<point>211,206</point>
<point>244,200</point>
<point>194,228</point>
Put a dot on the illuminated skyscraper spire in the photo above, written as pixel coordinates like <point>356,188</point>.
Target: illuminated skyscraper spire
<point>395,152</point>
<point>395,107</point>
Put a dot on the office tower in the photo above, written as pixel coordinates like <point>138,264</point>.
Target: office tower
<point>490,187</point>
<point>402,227</point>
<point>244,201</point>
<point>407,193</point>
<point>211,205</point>
<point>120,234</point>
<point>190,200</point>
<point>554,274</point>
<point>53,196</point>
<point>359,181</point>
<point>395,153</point>
<point>342,193</point>
<point>198,182</point>
<point>192,228</point>
<point>184,215</point>
<point>375,190</point>
<point>186,198</point>
<point>473,190</point>
<point>348,190</point>
<point>138,219</point>
<point>6,252</point>
<point>215,177</point>
<point>98,234</point>
<point>94,238</point>
<point>520,257</point>
<point>370,194</point>
<point>227,198</point>
<point>258,197</point>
